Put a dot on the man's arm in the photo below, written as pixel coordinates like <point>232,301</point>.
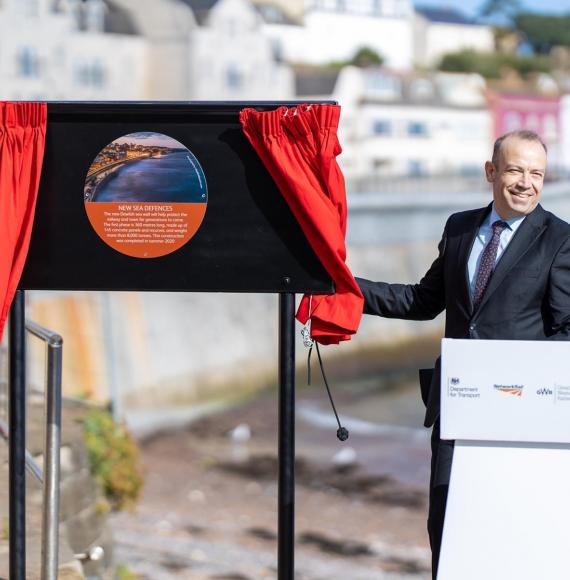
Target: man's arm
<point>422,301</point>
<point>559,293</point>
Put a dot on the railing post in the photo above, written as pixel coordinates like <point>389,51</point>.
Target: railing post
<point>17,438</point>
<point>286,501</point>
<point>50,521</point>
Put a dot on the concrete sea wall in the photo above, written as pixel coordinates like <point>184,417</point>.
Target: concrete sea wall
<point>147,349</point>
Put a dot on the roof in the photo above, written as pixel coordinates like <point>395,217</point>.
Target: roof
<point>272,14</point>
<point>445,15</point>
<point>201,8</point>
<point>315,82</point>
<point>118,20</point>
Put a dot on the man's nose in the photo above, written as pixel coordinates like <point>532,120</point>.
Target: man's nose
<point>525,181</point>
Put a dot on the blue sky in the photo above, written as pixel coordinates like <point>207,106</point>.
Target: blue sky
<point>471,7</point>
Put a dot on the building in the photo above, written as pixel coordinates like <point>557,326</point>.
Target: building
<point>405,124</point>
<point>532,106</point>
<point>69,50</point>
<point>208,50</point>
<point>333,30</point>
<point>438,31</point>
<point>231,58</point>
<point>565,133</point>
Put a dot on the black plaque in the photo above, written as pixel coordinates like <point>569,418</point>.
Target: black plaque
<point>248,241</point>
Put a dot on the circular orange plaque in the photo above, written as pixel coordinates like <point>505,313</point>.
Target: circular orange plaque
<point>145,195</point>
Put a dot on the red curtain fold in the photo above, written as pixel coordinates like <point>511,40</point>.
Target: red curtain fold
<point>22,144</point>
<point>299,146</point>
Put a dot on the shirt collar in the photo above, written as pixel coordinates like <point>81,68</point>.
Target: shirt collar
<point>513,223</point>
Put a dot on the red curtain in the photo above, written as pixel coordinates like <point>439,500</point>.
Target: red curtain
<point>298,146</point>
<point>22,142</point>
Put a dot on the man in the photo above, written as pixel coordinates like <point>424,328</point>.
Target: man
<point>503,272</point>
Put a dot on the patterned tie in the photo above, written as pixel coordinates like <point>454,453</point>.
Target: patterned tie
<point>487,264</point>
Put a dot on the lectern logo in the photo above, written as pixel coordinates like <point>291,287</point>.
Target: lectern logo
<point>515,390</point>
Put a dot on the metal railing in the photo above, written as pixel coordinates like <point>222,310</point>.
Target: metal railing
<point>52,444</point>
<point>50,474</point>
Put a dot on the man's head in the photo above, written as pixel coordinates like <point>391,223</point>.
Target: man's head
<point>517,173</point>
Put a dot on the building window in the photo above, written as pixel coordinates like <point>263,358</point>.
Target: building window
<point>234,77</point>
<point>533,123</point>
<point>512,121</point>
<point>90,74</point>
<point>382,127</point>
<point>416,168</point>
<point>382,84</point>
<point>28,8</point>
<point>28,63</point>
<point>421,89</point>
<point>550,128</point>
<point>417,129</point>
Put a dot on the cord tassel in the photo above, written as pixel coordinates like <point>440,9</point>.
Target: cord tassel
<point>342,432</point>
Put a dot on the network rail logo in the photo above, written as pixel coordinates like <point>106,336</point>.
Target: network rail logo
<point>515,390</point>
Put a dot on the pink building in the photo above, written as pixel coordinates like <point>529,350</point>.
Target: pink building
<point>537,113</point>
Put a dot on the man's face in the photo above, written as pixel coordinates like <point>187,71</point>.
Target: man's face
<point>518,177</point>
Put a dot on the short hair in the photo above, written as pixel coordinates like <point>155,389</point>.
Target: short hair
<point>521,134</point>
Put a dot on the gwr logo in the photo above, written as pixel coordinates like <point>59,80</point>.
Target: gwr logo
<point>544,391</point>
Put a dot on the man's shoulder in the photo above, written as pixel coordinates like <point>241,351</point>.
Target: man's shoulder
<point>467,219</point>
<point>555,224</point>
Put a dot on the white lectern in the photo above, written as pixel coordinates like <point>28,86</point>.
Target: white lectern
<point>507,405</point>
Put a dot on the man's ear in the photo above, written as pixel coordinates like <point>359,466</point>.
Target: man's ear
<point>490,171</point>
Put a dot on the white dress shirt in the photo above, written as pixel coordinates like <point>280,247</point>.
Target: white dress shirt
<point>483,237</point>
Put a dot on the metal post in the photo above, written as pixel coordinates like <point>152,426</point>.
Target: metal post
<point>50,522</point>
<point>286,531</point>
<point>17,438</point>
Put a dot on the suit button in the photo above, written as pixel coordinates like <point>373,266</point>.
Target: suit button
<point>472,327</point>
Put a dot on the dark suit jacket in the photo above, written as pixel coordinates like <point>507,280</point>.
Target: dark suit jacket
<point>528,296</point>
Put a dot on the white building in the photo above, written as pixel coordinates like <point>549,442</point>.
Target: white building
<point>334,30</point>
<point>396,124</point>
<point>438,31</point>
<point>208,50</point>
<point>69,50</point>
<point>231,58</point>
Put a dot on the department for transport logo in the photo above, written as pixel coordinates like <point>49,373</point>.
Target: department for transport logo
<point>454,380</point>
<point>515,390</point>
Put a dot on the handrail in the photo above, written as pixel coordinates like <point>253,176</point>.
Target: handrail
<point>31,464</point>
<point>51,472</point>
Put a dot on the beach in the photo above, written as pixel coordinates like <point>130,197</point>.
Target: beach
<point>209,508</point>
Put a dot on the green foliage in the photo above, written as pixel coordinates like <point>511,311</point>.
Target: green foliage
<point>123,572</point>
<point>366,56</point>
<point>491,65</point>
<point>543,32</point>
<point>507,9</point>
<point>363,57</point>
<point>113,458</point>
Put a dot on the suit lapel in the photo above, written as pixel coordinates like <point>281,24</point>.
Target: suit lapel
<point>464,251</point>
<point>526,235</point>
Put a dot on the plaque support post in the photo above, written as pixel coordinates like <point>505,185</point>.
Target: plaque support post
<point>17,438</point>
<point>286,524</point>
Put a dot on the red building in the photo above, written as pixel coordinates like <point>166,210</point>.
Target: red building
<point>538,113</point>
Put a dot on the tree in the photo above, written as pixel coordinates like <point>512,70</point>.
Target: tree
<point>544,32</point>
<point>491,65</point>
<point>503,10</point>
<point>366,56</point>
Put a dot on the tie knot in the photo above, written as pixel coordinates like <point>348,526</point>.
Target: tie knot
<point>499,226</point>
